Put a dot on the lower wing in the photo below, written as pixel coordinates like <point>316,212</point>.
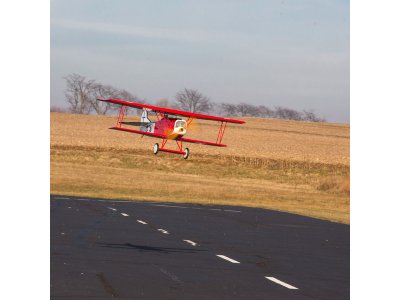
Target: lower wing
<point>163,136</point>
<point>202,142</point>
<point>156,135</point>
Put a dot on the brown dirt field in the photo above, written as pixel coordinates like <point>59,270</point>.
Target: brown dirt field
<point>291,166</point>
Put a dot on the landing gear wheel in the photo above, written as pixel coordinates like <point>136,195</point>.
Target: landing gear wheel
<point>155,148</point>
<point>186,155</point>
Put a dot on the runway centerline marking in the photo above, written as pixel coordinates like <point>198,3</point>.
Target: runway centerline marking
<point>125,215</point>
<point>142,222</point>
<point>163,231</point>
<point>218,209</point>
<point>231,210</point>
<point>62,198</point>
<point>190,242</point>
<point>112,208</point>
<point>228,259</point>
<point>286,285</point>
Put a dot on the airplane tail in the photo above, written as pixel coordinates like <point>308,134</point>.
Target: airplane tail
<point>146,124</point>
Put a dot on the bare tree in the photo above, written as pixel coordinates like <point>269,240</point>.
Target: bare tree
<point>215,109</point>
<point>287,113</point>
<point>166,103</point>
<point>311,116</point>
<point>265,112</point>
<point>107,91</point>
<point>249,110</point>
<point>193,101</point>
<point>253,111</point>
<point>81,95</point>
<point>99,90</point>
<point>229,109</point>
<point>244,109</point>
<point>125,95</point>
<point>78,93</point>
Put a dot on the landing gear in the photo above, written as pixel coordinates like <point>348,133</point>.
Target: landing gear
<point>186,153</point>
<point>156,147</point>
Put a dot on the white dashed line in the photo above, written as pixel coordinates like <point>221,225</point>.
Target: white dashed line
<point>125,215</point>
<point>142,222</point>
<point>62,198</point>
<point>282,283</point>
<point>190,242</point>
<point>108,201</point>
<point>228,259</point>
<point>219,209</point>
<point>174,206</point>
<point>112,208</point>
<point>163,231</point>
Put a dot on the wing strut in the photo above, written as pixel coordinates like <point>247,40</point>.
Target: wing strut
<point>122,113</point>
<point>221,132</point>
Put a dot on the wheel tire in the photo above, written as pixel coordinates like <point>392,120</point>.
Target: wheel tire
<point>186,155</point>
<point>155,148</point>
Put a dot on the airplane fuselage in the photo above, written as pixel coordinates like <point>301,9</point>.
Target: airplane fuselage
<point>171,128</point>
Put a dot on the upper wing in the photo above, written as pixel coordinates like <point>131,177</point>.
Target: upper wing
<point>171,111</point>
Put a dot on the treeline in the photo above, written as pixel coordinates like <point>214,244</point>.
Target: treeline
<point>81,94</point>
<point>261,111</point>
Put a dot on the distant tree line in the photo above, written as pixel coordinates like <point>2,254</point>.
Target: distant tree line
<point>81,94</point>
<point>261,111</point>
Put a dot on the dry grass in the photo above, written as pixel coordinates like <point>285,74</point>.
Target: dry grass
<point>285,165</point>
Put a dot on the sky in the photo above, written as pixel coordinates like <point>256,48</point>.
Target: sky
<point>294,54</point>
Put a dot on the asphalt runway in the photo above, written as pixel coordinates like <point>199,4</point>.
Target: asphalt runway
<point>106,249</point>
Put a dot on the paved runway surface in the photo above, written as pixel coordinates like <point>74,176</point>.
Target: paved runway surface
<point>104,249</point>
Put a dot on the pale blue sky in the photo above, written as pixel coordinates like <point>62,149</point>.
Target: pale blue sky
<point>276,53</point>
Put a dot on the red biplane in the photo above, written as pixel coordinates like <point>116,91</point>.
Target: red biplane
<point>169,125</point>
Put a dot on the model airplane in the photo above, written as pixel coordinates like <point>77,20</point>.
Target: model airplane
<point>169,125</point>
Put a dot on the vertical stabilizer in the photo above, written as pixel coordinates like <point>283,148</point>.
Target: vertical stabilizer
<point>146,124</point>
